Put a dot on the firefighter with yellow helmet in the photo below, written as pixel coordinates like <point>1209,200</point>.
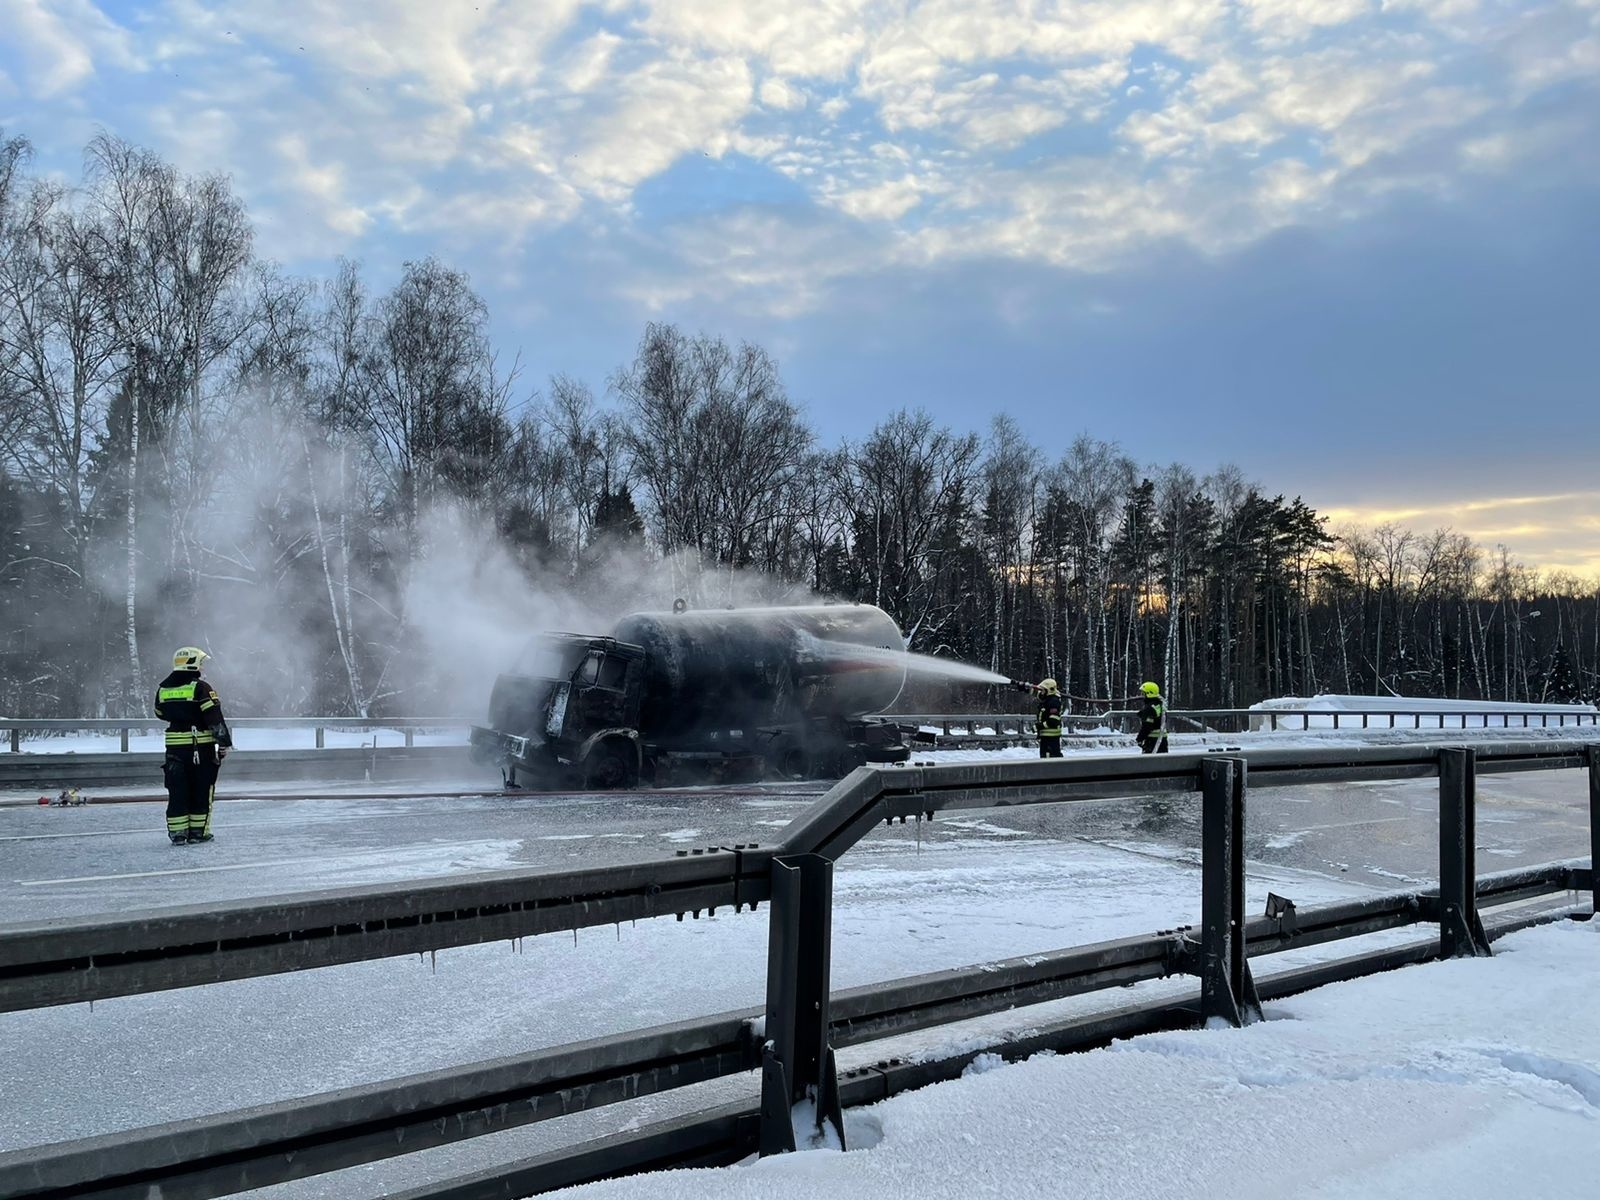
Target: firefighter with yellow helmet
<point>198,740</point>
<point>1047,722</point>
<point>1152,737</point>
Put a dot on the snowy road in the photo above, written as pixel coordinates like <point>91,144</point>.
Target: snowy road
<point>107,858</point>
<point>967,888</point>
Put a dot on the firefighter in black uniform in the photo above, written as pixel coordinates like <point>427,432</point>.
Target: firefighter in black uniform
<point>197,741</point>
<point>1048,721</point>
<point>1152,737</point>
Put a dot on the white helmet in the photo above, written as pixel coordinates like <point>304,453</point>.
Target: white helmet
<point>188,658</point>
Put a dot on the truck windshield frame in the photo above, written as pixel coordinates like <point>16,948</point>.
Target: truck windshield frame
<point>552,656</point>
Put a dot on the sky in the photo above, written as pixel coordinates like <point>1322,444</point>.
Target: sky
<point>1349,245</point>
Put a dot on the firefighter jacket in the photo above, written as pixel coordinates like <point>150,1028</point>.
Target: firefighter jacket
<point>1152,720</point>
<point>193,713</point>
<point>1049,716</point>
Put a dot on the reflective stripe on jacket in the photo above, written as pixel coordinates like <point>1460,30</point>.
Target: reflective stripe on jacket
<point>1152,719</point>
<point>189,706</point>
<point>1049,722</point>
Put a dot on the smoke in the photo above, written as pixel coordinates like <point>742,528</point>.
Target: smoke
<point>311,596</point>
<point>469,605</point>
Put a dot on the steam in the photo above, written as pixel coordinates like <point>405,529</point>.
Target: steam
<point>470,606</point>
<point>306,605</point>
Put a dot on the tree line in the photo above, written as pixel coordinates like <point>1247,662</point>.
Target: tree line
<point>196,445</point>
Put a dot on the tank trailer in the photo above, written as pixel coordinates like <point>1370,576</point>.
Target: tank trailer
<point>727,695</point>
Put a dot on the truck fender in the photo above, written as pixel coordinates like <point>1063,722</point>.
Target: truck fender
<point>631,736</point>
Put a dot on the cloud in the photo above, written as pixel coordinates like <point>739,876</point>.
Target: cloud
<point>661,112</point>
<point>323,185</point>
<point>61,42</point>
<point>1070,135</point>
<point>1292,20</point>
<point>780,93</point>
<point>1550,532</point>
<point>885,201</point>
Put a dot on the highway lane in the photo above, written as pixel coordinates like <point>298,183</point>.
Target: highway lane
<point>113,857</point>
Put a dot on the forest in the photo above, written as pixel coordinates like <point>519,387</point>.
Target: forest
<point>358,507</point>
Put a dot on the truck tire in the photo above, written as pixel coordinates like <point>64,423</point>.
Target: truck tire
<point>790,760</point>
<point>610,766</point>
<point>848,759</point>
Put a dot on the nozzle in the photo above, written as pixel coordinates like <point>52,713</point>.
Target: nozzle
<point>1022,687</point>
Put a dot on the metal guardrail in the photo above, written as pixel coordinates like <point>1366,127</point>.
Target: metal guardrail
<point>1018,725</point>
<point>1272,720</point>
<point>125,726</point>
<point>68,960</point>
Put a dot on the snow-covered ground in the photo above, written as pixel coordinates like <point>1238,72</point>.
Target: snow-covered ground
<point>968,888</point>
<point>1463,1079</point>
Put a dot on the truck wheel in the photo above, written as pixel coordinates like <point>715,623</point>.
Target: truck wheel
<point>791,761</point>
<point>608,768</point>
<point>848,760</point>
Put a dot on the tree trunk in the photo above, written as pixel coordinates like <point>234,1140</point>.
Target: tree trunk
<point>135,673</point>
<point>342,636</point>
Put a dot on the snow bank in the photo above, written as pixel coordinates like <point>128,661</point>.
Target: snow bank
<point>1470,1078</point>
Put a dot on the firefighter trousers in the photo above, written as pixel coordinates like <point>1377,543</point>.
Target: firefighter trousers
<point>191,778</point>
<point>1155,745</point>
<point>1049,746</point>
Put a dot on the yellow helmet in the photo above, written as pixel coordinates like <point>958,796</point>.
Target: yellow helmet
<point>1150,689</point>
<point>188,658</point>
<point>1048,686</point>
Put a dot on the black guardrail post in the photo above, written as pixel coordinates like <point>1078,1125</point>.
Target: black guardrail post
<point>797,1063</point>
<point>1226,987</point>
<point>1460,931</point>
<point>1594,826</point>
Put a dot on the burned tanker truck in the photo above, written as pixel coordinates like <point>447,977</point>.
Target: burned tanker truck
<point>727,695</point>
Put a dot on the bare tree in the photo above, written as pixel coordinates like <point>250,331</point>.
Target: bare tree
<point>428,383</point>
<point>909,479</point>
<point>55,349</point>
<point>1093,477</point>
<point>589,455</point>
<point>168,254</point>
<point>1179,519</point>
<point>1011,471</point>
<point>714,439</point>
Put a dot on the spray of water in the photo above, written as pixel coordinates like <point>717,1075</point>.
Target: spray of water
<point>904,660</point>
<point>944,668</point>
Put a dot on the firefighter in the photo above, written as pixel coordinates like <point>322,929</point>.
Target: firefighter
<point>197,741</point>
<point>1048,721</point>
<point>1152,737</point>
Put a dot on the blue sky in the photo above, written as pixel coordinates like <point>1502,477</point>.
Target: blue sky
<point>1350,245</point>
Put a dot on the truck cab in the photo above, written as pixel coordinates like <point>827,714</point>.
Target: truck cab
<point>567,712</point>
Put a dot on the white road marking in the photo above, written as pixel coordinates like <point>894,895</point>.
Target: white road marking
<point>39,837</point>
<point>150,831</point>
<point>282,862</point>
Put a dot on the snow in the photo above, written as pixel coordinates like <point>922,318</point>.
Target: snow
<point>1469,1078</point>
<point>966,889</point>
<point>901,907</point>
